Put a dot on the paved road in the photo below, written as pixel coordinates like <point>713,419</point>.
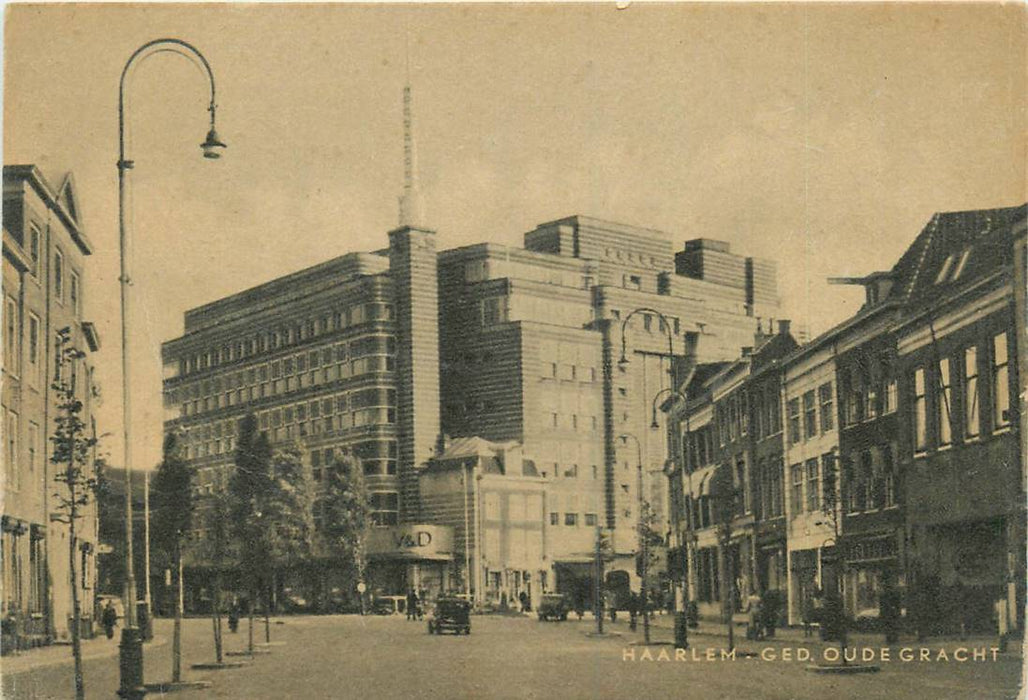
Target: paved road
<point>387,657</point>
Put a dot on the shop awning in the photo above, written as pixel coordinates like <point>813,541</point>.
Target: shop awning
<point>701,481</point>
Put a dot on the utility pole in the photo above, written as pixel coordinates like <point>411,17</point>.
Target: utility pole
<point>598,589</point>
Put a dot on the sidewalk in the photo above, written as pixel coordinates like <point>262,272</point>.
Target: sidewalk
<point>60,654</point>
<point>662,629</point>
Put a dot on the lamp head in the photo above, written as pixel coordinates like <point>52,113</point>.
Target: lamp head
<point>212,145</point>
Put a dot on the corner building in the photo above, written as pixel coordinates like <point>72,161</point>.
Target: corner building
<point>390,354</point>
<point>566,347</point>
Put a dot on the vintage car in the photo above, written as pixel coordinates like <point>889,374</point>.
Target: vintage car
<point>453,614</point>
<point>553,606</point>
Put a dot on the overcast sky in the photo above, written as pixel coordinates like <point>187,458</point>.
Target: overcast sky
<point>820,136</point>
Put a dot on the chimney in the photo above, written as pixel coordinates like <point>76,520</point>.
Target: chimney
<point>783,327</point>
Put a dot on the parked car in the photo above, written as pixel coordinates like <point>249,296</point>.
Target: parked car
<point>453,614</point>
<point>553,606</point>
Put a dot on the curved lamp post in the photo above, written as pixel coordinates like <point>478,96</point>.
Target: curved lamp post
<point>685,472</point>
<point>643,544</point>
<point>131,646</point>
<point>664,323</point>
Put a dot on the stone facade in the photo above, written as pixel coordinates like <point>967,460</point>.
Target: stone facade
<point>45,250</point>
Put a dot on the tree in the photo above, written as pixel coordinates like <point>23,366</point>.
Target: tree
<point>347,516</point>
<point>288,518</point>
<point>249,492</point>
<point>172,500</point>
<point>215,549</point>
<point>72,452</point>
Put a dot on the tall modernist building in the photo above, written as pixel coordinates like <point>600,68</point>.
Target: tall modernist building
<point>567,347</point>
<point>45,249</point>
<point>557,352</point>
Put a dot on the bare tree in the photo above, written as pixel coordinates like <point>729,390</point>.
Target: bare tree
<point>72,452</point>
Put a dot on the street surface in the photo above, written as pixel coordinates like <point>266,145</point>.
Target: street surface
<point>505,657</point>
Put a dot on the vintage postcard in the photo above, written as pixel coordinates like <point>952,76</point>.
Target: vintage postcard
<point>513,350</point>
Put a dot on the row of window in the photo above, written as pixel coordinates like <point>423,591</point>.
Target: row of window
<point>574,422</point>
<point>288,334</point>
<point>572,520</point>
<point>286,385</point>
<point>870,480</point>
<point>817,416</point>
<point>12,465</point>
<point>950,392</point>
<point>653,322</point>
<point>296,364</point>
<point>569,372</point>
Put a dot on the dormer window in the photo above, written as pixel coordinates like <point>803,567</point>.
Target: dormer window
<point>960,265</point>
<point>953,267</point>
<point>944,271</point>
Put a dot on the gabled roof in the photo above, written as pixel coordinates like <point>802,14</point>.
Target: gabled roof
<point>62,199</point>
<point>704,372</point>
<point>463,447</point>
<point>67,197</point>
<point>958,249</point>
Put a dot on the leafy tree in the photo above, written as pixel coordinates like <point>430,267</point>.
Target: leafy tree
<point>216,549</point>
<point>172,504</point>
<point>72,452</point>
<point>249,493</point>
<point>287,519</point>
<point>290,508</point>
<point>347,517</point>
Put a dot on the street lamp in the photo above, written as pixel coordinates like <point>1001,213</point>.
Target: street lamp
<point>685,473</point>
<point>131,646</point>
<point>643,544</point>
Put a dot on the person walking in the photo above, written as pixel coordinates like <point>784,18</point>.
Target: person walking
<point>755,609</point>
<point>109,619</point>
<point>523,599</point>
<point>412,605</point>
<point>233,617</point>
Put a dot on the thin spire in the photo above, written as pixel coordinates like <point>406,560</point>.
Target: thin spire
<point>410,200</point>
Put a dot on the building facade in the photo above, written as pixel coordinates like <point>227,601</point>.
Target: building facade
<point>811,454</point>
<point>961,443</point>
<point>734,524</point>
<point>901,465</point>
<point>45,250</point>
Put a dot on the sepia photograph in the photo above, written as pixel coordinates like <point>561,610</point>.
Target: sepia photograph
<point>516,350</point>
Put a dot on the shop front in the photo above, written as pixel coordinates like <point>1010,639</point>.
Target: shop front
<point>872,568</point>
<point>409,557</point>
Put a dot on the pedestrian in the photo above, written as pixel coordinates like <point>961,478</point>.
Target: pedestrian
<point>633,610</point>
<point>523,599</point>
<point>412,605</point>
<point>817,611</point>
<point>808,614</point>
<point>109,619</point>
<point>579,605</point>
<point>753,606</point>
<point>890,610</point>
<point>233,617</point>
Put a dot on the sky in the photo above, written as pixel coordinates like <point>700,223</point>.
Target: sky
<point>820,136</point>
